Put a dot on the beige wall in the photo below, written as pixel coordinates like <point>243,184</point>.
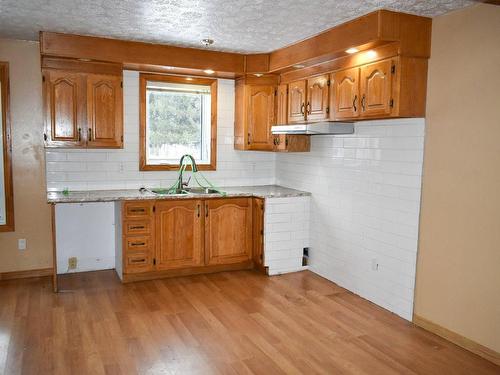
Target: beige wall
<point>32,214</point>
<point>458,272</point>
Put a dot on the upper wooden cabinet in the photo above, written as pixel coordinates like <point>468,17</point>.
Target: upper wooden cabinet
<point>228,230</point>
<point>308,100</point>
<point>82,109</point>
<point>296,101</point>
<point>393,87</point>
<point>254,113</point>
<point>104,111</point>
<point>345,93</point>
<point>317,106</point>
<point>64,117</point>
<point>282,105</point>
<point>260,117</point>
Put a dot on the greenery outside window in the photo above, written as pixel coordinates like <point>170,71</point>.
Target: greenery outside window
<point>178,115</point>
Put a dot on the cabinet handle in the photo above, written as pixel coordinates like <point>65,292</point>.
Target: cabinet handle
<point>354,103</point>
<point>206,210</point>
<point>137,210</point>
<point>90,134</point>
<point>302,108</point>
<point>79,134</point>
<point>363,102</point>
<point>248,139</point>
<point>137,244</point>
<point>198,210</point>
<point>308,108</point>
<point>137,227</point>
<point>141,260</point>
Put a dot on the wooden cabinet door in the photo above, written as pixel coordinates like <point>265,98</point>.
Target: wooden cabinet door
<point>178,233</point>
<point>260,117</point>
<point>258,233</point>
<point>346,89</point>
<point>282,105</point>
<point>376,89</point>
<point>317,98</point>
<point>228,230</point>
<point>64,97</point>
<point>296,102</point>
<point>104,111</point>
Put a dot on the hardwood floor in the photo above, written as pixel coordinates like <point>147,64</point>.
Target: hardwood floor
<point>228,323</point>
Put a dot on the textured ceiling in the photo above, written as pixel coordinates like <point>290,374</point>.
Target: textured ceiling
<point>235,25</point>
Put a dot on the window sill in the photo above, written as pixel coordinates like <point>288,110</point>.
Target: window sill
<point>175,167</point>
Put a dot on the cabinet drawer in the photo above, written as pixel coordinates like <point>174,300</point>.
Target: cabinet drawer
<point>138,243</point>
<point>140,262</point>
<point>137,227</point>
<point>137,210</point>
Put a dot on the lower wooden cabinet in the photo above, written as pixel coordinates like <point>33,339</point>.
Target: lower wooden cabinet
<point>188,236</point>
<point>258,233</point>
<point>137,236</point>
<point>178,228</point>
<point>228,230</point>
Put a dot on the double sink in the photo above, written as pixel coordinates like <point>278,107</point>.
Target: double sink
<point>188,190</point>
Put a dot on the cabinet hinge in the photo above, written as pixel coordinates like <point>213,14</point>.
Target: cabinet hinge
<point>121,138</point>
<point>154,261</point>
<point>393,69</point>
<point>328,83</point>
<point>391,103</point>
<point>287,90</point>
<point>275,92</point>
<point>43,78</point>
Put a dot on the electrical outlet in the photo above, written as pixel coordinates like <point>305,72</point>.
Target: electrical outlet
<point>72,262</point>
<point>374,265</point>
<point>21,244</point>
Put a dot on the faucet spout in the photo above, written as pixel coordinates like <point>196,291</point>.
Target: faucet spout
<point>180,183</point>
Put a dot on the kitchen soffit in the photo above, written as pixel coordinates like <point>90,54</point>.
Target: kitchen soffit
<point>235,25</point>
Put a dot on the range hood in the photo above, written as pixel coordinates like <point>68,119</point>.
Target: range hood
<point>315,128</point>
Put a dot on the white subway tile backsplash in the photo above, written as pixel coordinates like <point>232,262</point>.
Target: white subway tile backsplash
<point>364,206</point>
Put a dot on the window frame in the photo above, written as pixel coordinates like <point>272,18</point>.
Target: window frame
<point>7,149</point>
<point>143,79</point>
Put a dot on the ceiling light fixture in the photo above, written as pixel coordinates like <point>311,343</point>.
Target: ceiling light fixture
<point>352,50</point>
<point>207,42</point>
<point>208,71</point>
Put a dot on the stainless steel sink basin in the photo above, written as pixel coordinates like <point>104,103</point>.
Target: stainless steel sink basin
<point>201,190</point>
<point>188,190</point>
<point>167,192</point>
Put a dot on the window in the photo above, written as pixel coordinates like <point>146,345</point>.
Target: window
<point>177,116</point>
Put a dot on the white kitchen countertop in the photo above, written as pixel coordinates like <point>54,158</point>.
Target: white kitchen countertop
<point>265,191</point>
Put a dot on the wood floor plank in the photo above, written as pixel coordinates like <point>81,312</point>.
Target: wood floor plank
<point>230,323</point>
